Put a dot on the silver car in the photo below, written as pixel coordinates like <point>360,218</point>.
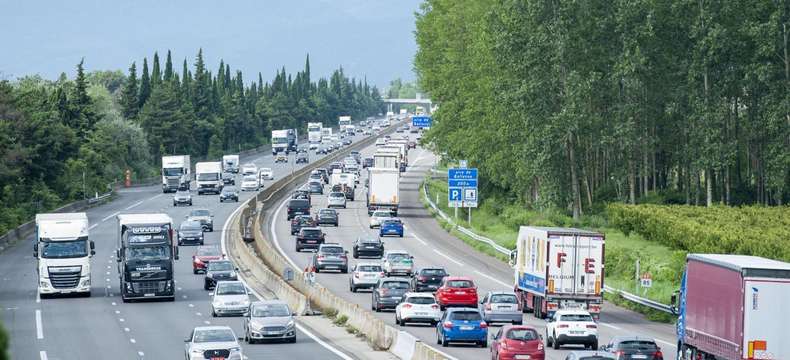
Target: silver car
<point>230,298</point>
<point>337,199</point>
<point>269,320</point>
<point>364,275</point>
<point>398,262</point>
<point>378,216</point>
<point>501,306</point>
<point>203,216</point>
<point>182,197</point>
<point>212,342</point>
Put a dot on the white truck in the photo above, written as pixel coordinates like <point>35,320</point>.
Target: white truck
<point>63,251</point>
<point>314,133</point>
<point>343,122</point>
<point>279,141</point>
<point>383,189</point>
<point>230,163</point>
<point>176,173</point>
<point>209,177</point>
<point>558,268</point>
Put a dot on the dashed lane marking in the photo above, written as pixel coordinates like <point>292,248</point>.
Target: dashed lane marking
<point>39,326</point>
<point>506,285</point>
<point>43,355</point>
<point>448,257</point>
<point>134,205</point>
<point>111,216</point>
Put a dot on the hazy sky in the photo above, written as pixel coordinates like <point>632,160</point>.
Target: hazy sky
<point>373,38</point>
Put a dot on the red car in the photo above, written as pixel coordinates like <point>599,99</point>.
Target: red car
<point>517,342</point>
<point>457,291</point>
<point>203,255</point>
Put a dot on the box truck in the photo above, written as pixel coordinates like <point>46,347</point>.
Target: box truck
<point>209,177</point>
<point>279,141</point>
<point>176,173</point>
<point>314,134</point>
<point>383,189</point>
<point>558,268</point>
<point>63,251</point>
<point>733,307</point>
<point>343,123</point>
<point>230,163</point>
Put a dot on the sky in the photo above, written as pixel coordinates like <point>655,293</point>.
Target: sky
<point>368,38</point>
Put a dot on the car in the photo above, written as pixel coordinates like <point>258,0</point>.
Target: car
<point>428,279</point>
<point>312,146</point>
<point>303,193</point>
<point>330,256</point>
<point>337,165</point>
<point>377,216</point>
<point>316,187</point>
<point>391,226</point>
<point>457,291</point>
<point>417,307</point>
<point>300,221</point>
<point>298,207</point>
<point>324,174</point>
<point>309,238</point>
<point>512,342</point>
<point>353,169</point>
<point>182,196</point>
<point>320,150</point>
<point>266,174</point>
<point>402,166</point>
<point>302,158</point>
<point>249,169</point>
<point>228,178</point>
<point>367,132</point>
<point>462,325</point>
<point>399,262</point>
<point>212,342</point>
<point>572,326</point>
<point>190,232</point>
<point>347,191</point>
<point>204,216</point>
<point>338,145</point>
<point>501,306</point>
<point>414,130</point>
<point>337,199</point>
<point>281,158</point>
<point>250,183</point>
<point>368,162</point>
<point>203,255</point>
<point>301,150</point>
<point>399,130</point>
<point>269,320</point>
<point>357,156</point>
<point>219,270</point>
<point>412,144</point>
<point>316,176</point>
<point>229,193</point>
<point>230,298</point>
<point>589,355</point>
<point>327,217</point>
<point>364,275</point>
<point>387,293</point>
<point>633,347</point>
<point>369,246</point>
<point>347,141</point>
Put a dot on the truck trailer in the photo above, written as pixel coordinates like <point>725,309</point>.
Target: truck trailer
<point>383,189</point>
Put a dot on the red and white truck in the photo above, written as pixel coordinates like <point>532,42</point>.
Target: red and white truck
<point>733,307</point>
<point>558,268</point>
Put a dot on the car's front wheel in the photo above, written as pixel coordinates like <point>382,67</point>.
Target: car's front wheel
<point>555,342</point>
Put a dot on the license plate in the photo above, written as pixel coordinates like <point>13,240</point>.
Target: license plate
<point>311,241</point>
<point>272,333</point>
<point>370,247</point>
<point>577,332</point>
<point>460,293</point>
<point>503,307</point>
<point>520,357</point>
<point>467,327</point>
<point>638,356</point>
<point>149,295</point>
<point>422,313</point>
<point>331,267</point>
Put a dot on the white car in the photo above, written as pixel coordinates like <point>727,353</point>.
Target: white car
<point>250,183</point>
<point>266,174</point>
<point>212,342</point>
<point>230,298</point>
<point>380,141</point>
<point>378,216</point>
<point>417,307</point>
<point>572,327</point>
<point>398,262</point>
<point>364,275</point>
<point>249,169</point>
<point>312,146</point>
<point>337,199</point>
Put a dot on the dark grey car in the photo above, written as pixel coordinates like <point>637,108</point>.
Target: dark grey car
<point>388,292</point>
<point>331,257</point>
<point>219,270</point>
<point>633,347</point>
<point>190,232</point>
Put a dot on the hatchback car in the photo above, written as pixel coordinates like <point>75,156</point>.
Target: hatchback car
<point>330,256</point>
<point>428,279</point>
<point>250,183</point>
<point>309,238</point>
<point>337,199</point>
<point>633,347</point>
<point>249,169</point>
<point>462,325</point>
<point>501,306</point>
<point>230,298</point>
<point>417,307</point>
<point>457,291</point>
<point>212,342</point>
<point>377,217</point>
<point>228,178</point>
<point>302,158</point>
<point>388,292</point>
<point>589,355</point>
<point>219,270</point>
<point>517,342</point>
<point>182,196</point>
<point>300,221</point>
<point>190,232</point>
<point>328,217</point>
<point>266,174</point>
<point>399,262</point>
<point>368,246</point>
<point>391,226</point>
<point>269,320</point>
<point>203,216</point>
<point>571,326</point>
<point>203,255</point>
<point>315,186</point>
<point>229,193</point>
<point>364,275</point>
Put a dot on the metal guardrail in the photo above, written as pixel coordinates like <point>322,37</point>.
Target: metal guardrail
<point>626,295</point>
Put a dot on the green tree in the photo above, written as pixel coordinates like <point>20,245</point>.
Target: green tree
<point>129,96</point>
<point>145,86</point>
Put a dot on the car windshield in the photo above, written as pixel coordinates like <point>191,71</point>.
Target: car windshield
<point>250,178</point>
<point>270,310</point>
<point>191,226</point>
<point>466,315</point>
<point>391,222</point>
<point>576,317</point>
<point>266,170</point>
<point>208,251</point>
<point>332,250</point>
<point>398,257</point>
<point>460,284</point>
<point>311,232</point>
<point>208,176</point>
<point>639,345</point>
<point>395,285</point>
<point>159,252</point>
<point>434,272</point>
<point>337,195</point>
<point>220,266</point>
<point>214,335</point>
<point>421,300</point>
<point>522,334</point>
<point>229,189</point>
<point>199,213</point>
<point>64,249</point>
<point>369,268</point>
<point>182,192</point>
<point>370,240</point>
<point>231,288</point>
<point>503,299</point>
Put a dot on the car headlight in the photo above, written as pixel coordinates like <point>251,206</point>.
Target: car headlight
<point>290,324</point>
<point>232,274</point>
<point>235,349</point>
<point>245,302</point>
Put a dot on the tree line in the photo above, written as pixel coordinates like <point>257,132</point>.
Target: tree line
<point>67,139</point>
<point>571,103</point>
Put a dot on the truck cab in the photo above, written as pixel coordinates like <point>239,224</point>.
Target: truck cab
<point>279,141</point>
<point>230,163</point>
<point>63,251</point>
<point>175,173</point>
<point>145,255</point>
<point>209,177</point>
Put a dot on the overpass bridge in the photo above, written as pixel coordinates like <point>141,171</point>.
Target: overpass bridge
<point>426,103</point>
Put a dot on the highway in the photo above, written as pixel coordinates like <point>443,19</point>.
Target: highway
<point>433,246</point>
<point>102,326</point>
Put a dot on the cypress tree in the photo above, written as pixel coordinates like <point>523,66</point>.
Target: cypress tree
<point>156,73</point>
<point>145,86</point>
<point>186,82</point>
<point>129,104</point>
<point>80,104</point>
<point>168,68</point>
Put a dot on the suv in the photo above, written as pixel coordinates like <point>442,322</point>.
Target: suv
<point>327,216</point>
<point>457,291</point>
<point>501,306</point>
<point>387,293</point>
<point>298,207</point>
<point>309,238</point>
<point>182,196</point>
<point>219,270</point>
<point>428,279</point>
<point>368,246</point>
<point>300,221</point>
<point>633,347</point>
<point>302,158</point>
<point>330,257</point>
<point>364,275</point>
<point>203,216</point>
<point>399,262</point>
<point>190,232</point>
<point>228,178</point>
<point>572,327</point>
<point>417,307</point>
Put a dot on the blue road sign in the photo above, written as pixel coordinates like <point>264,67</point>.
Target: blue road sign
<point>462,186</point>
<point>455,194</point>
<point>462,183</point>
<point>421,121</point>
<point>462,174</point>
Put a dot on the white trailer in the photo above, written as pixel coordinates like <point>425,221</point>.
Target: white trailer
<point>383,189</point>
<point>209,177</point>
<point>63,251</point>
<point>230,163</point>
<point>176,173</point>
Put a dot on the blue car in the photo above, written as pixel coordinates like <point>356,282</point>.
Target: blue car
<point>391,226</point>
<point>462,325</point>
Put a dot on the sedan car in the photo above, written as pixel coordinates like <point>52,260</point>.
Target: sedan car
<point>182,196</point>
<point>399,262</point>
<point>387,293</point>
<point>229,193</point>
<point>300,221</point>
<point>364,275</point>
<point>377,217</point>
<point>266,174</point>
<point>589,355</point>
<point>368,246</point>
<point>417,307</point>
<point>228,178</point>
<point>501,306</point>
<point>391,226</point>
<point>219,270</point>
<point>457,291</point>
<point>572,326</point>
<point>517,342</point>
<point>203,255</point>
<point>328,217</point>
<point>309,238</point>
<point>250,183</point>
<point>315,186</point>
<point>281,158</point>
<point>203,216</point>
<point>337,199</point>
<point>212,342</point>
<point>633,347</point>
<point>269,320</point>
<point>190,232</point>
<point>428,279</point>
<point>330,256</point>
<point>462,325</point>
<point>302,158</point>
<point>230,298</point>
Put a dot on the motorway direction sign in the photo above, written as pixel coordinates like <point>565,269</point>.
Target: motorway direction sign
<point>462,186</point>
<point>421,121</point>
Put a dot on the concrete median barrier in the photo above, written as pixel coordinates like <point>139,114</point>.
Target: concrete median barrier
<point>404,346</point>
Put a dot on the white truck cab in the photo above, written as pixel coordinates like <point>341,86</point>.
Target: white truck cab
<point>63,252</point>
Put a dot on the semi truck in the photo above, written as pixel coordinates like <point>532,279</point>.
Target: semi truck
<point>279,141</point>
<point>63,251</point>
<point>293,140</point>
<point>176,173</point>
<point>343,122</point>
<point>558,268</point>
<point>145,255</point>
<point>383,189</point>
<point>314,134</point>
<point>733,307</point>
<point>209,177</point>
<point>230,163</point>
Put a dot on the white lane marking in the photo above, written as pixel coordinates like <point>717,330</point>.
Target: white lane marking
<point>126,329</point>
<point>141,354</point>
<point>38,297</point>
<point>155,196</point>
<point>191,305</point>
<point>207,322</point>
<point>43,355</point>
<point>39,326</point>
<point>111,216</point>
<point>274,234</point>
<point>133,341</point>
<point>506,285</point>
<point>611,326</point>
<point>448,257</point>
<point>198,314</point>
<point>134,205</point>
<point>417,237</point>
<point>666,342</point>
<point>114,303</point>
<point>121,319</point>
<point>93,226</point>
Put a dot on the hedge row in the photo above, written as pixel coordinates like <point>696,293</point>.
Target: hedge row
<point>751,230</point>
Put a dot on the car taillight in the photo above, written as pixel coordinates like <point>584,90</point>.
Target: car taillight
<point>488,307</point>
<point>381,274</point>
<point>540,345</point>
<point>320,257</point>
<point>435,306</point>
<point>448,325</point>
<point>619,353</point>
<point>561,326</point>
<point>408,306</point>
<point>658,355</point>
<point>592,326</point>
<point>483,325</point>
<point>197,260</point>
